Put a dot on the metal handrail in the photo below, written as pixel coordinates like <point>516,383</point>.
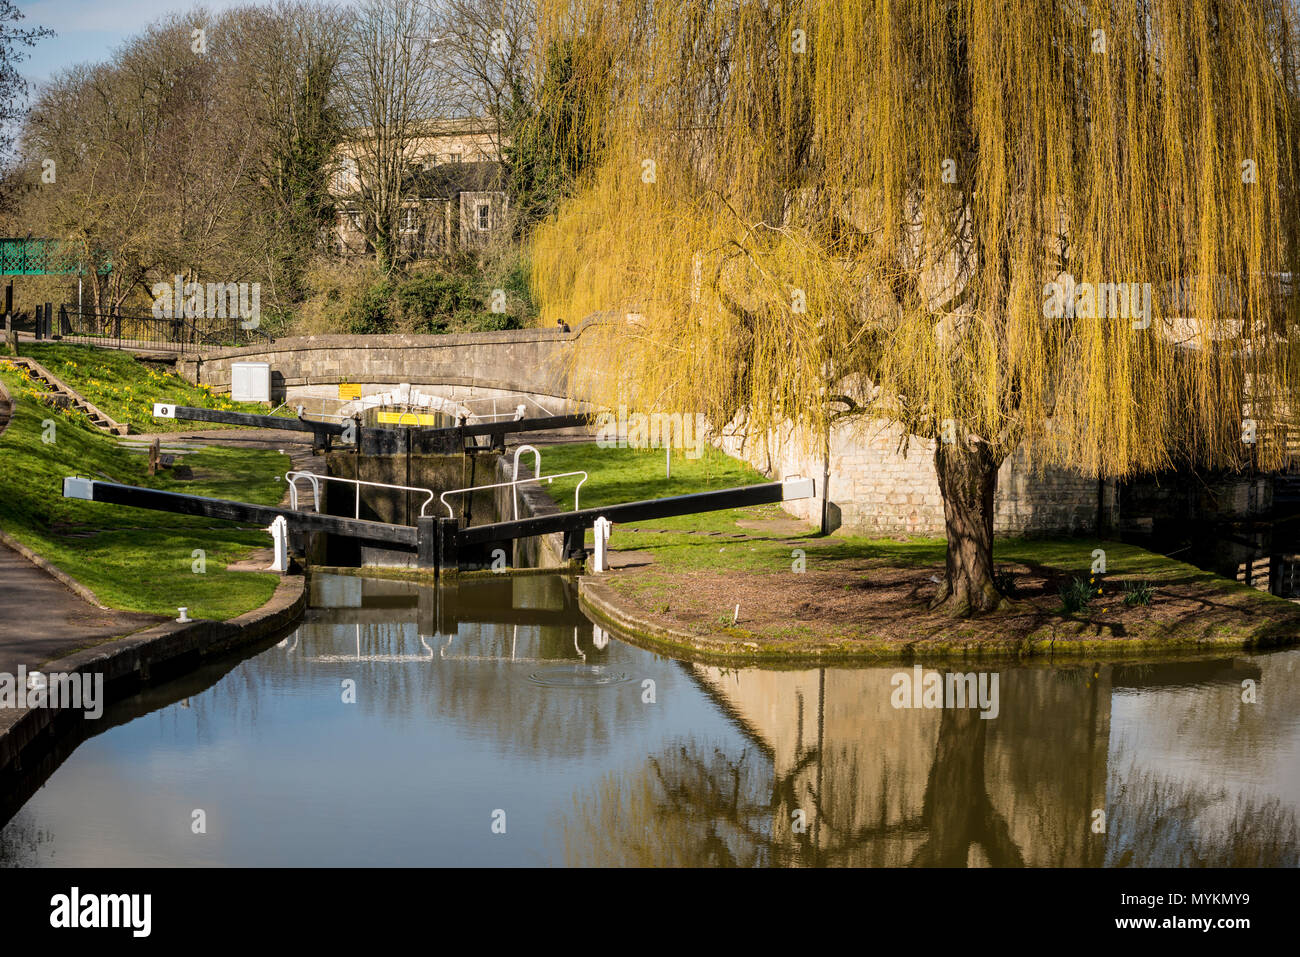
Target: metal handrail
<point>315,480</point>
<point>494,399</point>
<point>302,414</point>
<point>537,470</point>
<point>537,478</point>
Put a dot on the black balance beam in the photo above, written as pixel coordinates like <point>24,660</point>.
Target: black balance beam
<point>794,488</point>
<point>379,534</point>
<point>162,410</point>
<point>507,427</point>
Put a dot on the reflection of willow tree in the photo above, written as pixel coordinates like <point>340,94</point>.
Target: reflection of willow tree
<point>957,811</point>
<point>1160,822</point>
<point>686,808</point>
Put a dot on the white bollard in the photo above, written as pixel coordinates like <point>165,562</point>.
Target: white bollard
<point>599,637</point>
<point>602,529</point>
<point>279,530</point>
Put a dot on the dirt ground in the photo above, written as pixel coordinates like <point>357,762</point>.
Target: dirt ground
<point>872,601</point>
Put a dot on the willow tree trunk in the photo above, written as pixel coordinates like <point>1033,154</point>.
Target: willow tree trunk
<point>968,478</point>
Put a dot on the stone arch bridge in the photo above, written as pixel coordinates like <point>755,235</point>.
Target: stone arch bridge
<point>512,365</point>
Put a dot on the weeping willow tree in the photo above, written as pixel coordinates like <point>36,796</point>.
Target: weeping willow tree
<point>1041,224</point>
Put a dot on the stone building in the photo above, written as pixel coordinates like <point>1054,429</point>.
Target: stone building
<point>454,187</point>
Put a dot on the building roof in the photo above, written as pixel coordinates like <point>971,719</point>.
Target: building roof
<point>446,180</point>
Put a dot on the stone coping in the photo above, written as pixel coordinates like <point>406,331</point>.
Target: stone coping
<point>395,340</point>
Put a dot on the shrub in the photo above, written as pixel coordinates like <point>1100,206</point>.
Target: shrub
<point>1076,594</point>
<point>1138,593</point>
<point>372,310</point>
<point>433,297</point>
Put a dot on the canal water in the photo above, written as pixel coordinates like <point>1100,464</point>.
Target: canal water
<point>491,724</point>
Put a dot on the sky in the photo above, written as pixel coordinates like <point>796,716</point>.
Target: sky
<point>89,30</point>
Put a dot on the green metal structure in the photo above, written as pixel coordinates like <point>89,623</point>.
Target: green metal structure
<point>40,257</point>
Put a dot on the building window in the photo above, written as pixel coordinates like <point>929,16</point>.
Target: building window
<point>483,215</point>
<point>346,178</point>
<point>410,220</point>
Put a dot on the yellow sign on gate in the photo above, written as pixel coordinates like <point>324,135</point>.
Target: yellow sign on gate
<point>407,418</point>
<point>349,390</point>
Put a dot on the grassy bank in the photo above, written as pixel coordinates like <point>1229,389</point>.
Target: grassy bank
<point>757,582</point>
<point>629,475</point>
<point>131,559</point>
<point>126,388</point>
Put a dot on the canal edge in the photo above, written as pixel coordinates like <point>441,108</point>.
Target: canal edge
<point>602,606</point>
<point>157,653</point>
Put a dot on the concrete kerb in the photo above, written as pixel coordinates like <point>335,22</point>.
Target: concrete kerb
<point>154,654</point>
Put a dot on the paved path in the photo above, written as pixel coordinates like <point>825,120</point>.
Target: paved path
<point>40,618</point>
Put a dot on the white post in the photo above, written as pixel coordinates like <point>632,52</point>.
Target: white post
<point>602,529</point>
<point>279,530</point>
<point>668,463</point>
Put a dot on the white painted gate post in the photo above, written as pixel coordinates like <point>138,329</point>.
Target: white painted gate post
<point>279,530</point>
<point>602,528</point>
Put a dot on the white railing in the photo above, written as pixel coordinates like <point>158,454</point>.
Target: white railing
<point>538,478</point>
<point>322,414</point>
<point>514,399</point>
<point>315,480</point>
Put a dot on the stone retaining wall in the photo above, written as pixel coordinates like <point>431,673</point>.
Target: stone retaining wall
<point>877,488</point>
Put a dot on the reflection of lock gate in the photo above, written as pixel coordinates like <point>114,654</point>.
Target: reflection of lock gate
<point>599,637</point>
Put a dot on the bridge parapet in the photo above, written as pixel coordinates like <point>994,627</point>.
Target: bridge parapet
<point>526,361</point>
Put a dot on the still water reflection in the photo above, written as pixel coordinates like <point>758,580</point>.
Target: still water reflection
<point>497,702</point>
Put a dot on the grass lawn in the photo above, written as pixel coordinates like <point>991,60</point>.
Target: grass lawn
<point>133,559</point>
<point>630,475</point>
<point>127,388</point>
<point>800,592</point>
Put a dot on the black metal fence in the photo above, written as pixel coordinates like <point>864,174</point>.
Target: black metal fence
<point>125,330</point>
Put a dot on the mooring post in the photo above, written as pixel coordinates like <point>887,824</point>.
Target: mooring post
<point>427,542</point>
<point>602,528</point>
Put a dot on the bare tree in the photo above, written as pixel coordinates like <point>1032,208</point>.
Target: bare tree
<point>489,57</point>
<point>393,83</point>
